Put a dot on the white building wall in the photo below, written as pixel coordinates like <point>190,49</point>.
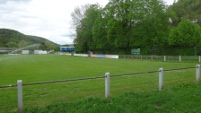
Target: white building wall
<point>25,51</point>
<point>40,52</point>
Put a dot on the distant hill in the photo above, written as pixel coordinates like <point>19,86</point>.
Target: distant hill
<point>14,39</point>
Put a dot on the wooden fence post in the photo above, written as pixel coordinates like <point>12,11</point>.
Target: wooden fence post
<point>20,98</point>
<point>160,78</point>
<point>198,73</point>
<point>107,85</point>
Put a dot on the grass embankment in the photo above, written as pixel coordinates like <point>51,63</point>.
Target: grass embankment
<point>37,68</point>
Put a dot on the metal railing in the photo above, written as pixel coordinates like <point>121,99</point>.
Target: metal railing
<point>162,58</point>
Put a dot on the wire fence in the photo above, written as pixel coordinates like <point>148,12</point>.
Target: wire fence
<point>52,82</point>
<point>179,69</point>
<point>90,78</point>
<point>162,58</point>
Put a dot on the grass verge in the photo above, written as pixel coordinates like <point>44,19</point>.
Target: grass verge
<point>183,98</point>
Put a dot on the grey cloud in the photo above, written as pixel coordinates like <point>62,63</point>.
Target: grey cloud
<point>9,6</point>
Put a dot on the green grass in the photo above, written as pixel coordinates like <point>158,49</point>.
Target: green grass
<point>37,68</point>
<point>184,98</point>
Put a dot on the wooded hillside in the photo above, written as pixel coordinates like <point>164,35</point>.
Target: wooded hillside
<point>13,39</point>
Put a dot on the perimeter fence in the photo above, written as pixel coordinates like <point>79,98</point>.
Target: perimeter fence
<point>107,77</point>
<point>141,57</point>
<point>162,58</point>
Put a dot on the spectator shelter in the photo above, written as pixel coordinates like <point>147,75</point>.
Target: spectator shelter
<point>69,48</point>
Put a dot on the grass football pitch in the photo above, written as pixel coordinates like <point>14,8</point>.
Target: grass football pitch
<point>40,68</point>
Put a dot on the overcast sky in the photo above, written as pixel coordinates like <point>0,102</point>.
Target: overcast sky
<point>50,19</point>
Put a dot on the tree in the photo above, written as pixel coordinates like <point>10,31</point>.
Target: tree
<point>186,34</point>
<point>84,40</point>
<point>11,44</point>
<point>22,43</point>
<point>136,23</point>
<point>79,14</point>
<point>189,9</point>
<point>121,24</point>
<point>99,34</point>
<point>49,45</point>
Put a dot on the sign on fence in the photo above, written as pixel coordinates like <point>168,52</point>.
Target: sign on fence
<point>135,51</point>
<point>105,56</point>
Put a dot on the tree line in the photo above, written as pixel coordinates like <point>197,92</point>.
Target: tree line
<point>150,25</point>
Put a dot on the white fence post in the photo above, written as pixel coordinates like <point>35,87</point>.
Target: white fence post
<point>107,85</point>
<point>164,58</point>
<point>198,73</point>
<point>160,78</point>
<point>20,98</point>
<point>199,58</point>
<point>180,58</point>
